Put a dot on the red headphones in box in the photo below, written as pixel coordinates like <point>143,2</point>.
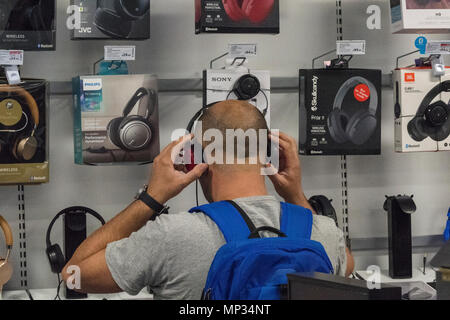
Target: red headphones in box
<point>254,10</point>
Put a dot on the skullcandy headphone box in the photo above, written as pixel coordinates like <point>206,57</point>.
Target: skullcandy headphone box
<point>422,112</point>
<point>116,119</point>
<point>28,25</point>
<point>340,112</point>
<point>420,16</point>
<point>24,132</point>
<point>238,84</point>
<point>237,16</point>
<point>112,19</point>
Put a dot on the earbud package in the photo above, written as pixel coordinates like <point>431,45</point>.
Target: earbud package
<point>27,25</point>
<point>242,84</point>
<point>422,112</point>
<point>24,132</point>
<point>237,16</point>
<point>116,119</point>
<point>340,112</point>
<point>111,19</point>
<point>420,16</point>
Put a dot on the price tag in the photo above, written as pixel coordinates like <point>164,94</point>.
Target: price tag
<point>125,53</point>
<point>351,47</point>
<point>11,57</point>
<point>438,47</point>
<point>242,50</point>
<point>12,75</point>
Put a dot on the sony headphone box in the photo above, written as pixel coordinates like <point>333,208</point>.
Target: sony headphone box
<point>238,84</point>
<point>24,132</point>
<point>422,112</point>
<point>116,119</point>
<point>237,16</point>
<point>27,25</point>
<point>340,112</point>
<point>112,19</point>
<point>420,16</point>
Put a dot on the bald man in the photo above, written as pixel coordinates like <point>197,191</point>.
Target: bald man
<point>173,253</point>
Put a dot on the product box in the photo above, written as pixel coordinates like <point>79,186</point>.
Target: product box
<point>24,132</point>
<point>340,112</point>
<point>231,84</point>
<point>27,25</point>
<point>115,119</point>
<point>420,16</point>
<point>112,19</point>
<point>237,16</point>
<point>422,113</point>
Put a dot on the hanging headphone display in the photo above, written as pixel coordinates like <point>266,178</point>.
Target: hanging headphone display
<point>432,119</point>
<point>134,133</point>
<point>246,88</point>
<point>358,128</point>
<point>323,207</point>
<point>6,269</point>
<point>53,251</point>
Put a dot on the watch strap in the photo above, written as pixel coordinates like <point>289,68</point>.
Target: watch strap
<point>157,207</point>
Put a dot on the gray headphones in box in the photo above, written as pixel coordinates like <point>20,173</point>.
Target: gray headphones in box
<point>358,128</point>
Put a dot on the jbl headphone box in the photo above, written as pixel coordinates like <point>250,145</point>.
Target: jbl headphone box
<point>28,25</point>
<point>116,119</point>
<point>238,84</point>
<point>24,132</point>
<point>112,19</point>
<point>420,16</point>
<point>422,112</point>
<point>340,112</point>
<point>237,16</point>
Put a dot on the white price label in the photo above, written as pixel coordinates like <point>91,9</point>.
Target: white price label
<point>438,47</point>
<point>242,50</point>
<point>351,47</point>
<point>125,53</point>
<point>11,57</point>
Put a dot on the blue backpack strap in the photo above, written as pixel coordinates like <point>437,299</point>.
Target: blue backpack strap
<point>227,218</point>
<point>296,221</point>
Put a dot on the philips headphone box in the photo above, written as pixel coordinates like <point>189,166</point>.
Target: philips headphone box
<point>24,132</point>
<point>420,16</point>
<point>116,119</point>
<point>422,112</point>
<point>113,19</point>
<point>238,84</point>
<point>237,16</point>
<point>340,112</point>
<point>28,25</point>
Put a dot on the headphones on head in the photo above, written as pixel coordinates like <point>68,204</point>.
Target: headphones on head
<point>115,18</point>
<point>256,11</point>
<point>356,129</point>
<point>323,207</point>
<point>54,252</point>
<point>134,133</point>
<point>6,270</point>
<point>25,146</point>
<point>432,119</point>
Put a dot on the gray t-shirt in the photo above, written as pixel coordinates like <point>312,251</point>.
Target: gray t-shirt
<point>173,254</point>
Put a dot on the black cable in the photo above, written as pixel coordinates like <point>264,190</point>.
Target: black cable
<point>57,297</point>
<point>196,191</point>
<point>29,294</point>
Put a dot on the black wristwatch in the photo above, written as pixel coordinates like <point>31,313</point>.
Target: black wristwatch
<point>157,207</point>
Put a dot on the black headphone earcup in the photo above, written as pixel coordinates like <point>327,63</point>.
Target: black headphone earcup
<point>111,24</point>
<point>113,132</point>
<point>56,258</point>
<point>247,87</point>
<point>360,127</point>
<point>322,205</point>
<point>416,130</point>
<point>337,124</point>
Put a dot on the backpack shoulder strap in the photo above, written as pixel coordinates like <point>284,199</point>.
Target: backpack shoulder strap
<point>231,220</point>
<point>296,221</point>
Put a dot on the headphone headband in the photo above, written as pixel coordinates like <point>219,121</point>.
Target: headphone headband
<point>82,210</point>
<point>8,238</point>
<point>433,93</point>
<point>140,94</point>
<point>198,115</point>
<point>31,102</point>
<point>352,82</point>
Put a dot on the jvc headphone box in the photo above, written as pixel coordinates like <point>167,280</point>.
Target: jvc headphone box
<point>422,112</point>
<point>237,16</point>
<point>340,112</point>
<point>420,16</point>
<point>24,132</point>
<point>113,19</point>
<point>28,25</point>
<point>116,119</point>
<point>238,84</point>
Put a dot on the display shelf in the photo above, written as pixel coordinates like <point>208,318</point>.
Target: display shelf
<point>421,242</point>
